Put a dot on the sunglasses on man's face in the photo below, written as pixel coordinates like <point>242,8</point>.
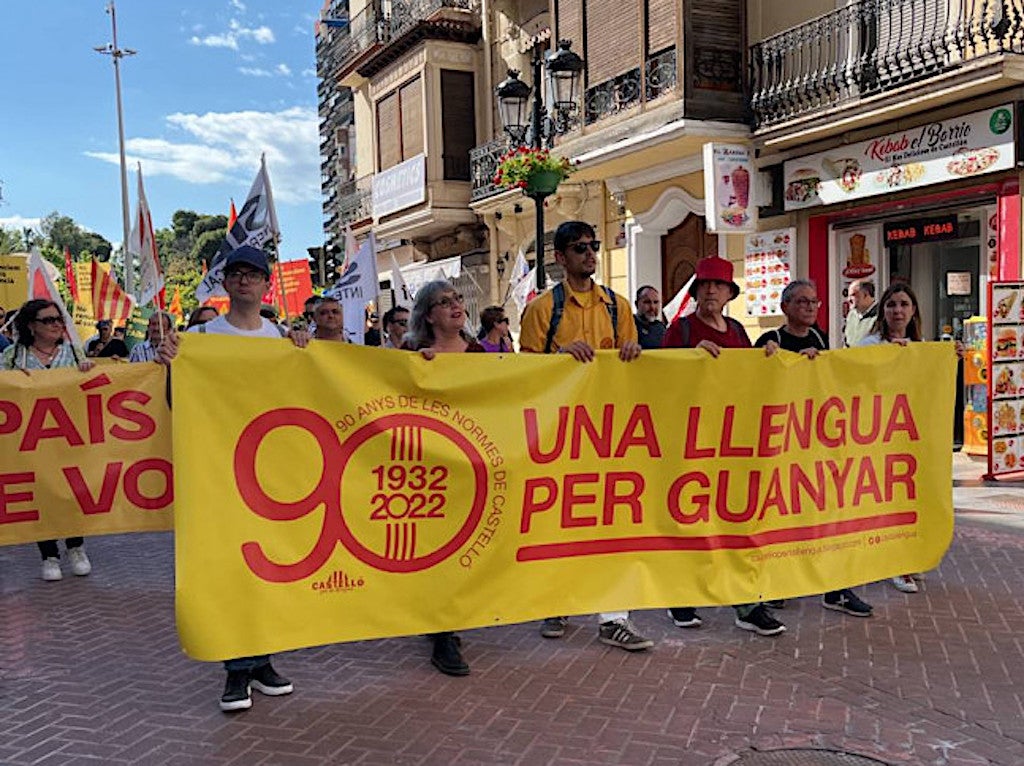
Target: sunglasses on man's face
<point>580,248</point>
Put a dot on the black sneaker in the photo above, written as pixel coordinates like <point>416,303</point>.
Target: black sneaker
<point>760,621</point>
<point>266,681</point>
<point>446,657</point>
<point>553,627</point>
<point>622,636</point>
<point>236,694</point>
<point>685,617</point>
<point>846,600</point>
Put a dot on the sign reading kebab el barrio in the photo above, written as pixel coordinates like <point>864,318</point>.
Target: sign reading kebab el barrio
<point>474,490</point>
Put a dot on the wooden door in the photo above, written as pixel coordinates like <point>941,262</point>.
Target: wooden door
<point>681,248</point>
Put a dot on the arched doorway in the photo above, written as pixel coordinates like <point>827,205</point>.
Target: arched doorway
<point>681,248</point>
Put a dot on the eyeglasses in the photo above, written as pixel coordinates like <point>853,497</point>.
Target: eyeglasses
<point>449,301</point>
<point>807,302</point>
<point>503,320</point>
<point>580,248</point>
<point>49,320</point>
<point>402,322</point>
<point>245,276</point>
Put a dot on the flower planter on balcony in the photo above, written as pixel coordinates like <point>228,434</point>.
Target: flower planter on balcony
<point>543,183</point>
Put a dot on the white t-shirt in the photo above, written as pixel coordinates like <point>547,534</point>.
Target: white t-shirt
<point>221,326</point>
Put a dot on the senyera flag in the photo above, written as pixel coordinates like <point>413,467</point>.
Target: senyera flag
<point>256,225</point>
<point>681,304</point>
<point>41,286</point>
<point>69,274</point>
<point>109,301</point>
<point>142,245</point>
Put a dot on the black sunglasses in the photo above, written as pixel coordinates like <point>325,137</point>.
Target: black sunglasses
<point>580,248</point>
<point>49,320</point>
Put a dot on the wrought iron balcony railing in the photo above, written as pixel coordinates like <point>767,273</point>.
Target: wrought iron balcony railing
<point>355,200</point>
<point>483,165</point>
<point>630,89</point>
<point>871,46</point>
<point>386,20</point>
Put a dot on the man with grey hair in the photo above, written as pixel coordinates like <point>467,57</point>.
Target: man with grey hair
<point>801,335</point>
<point>863,312</point>
<point>160,325</point>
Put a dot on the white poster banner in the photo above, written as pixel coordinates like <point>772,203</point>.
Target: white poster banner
<point>355,288</point>
<point>767,269</point>
<point>728,170</point>
<point>950,150</point>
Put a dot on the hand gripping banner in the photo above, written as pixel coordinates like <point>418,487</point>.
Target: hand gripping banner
<point>337,493</point>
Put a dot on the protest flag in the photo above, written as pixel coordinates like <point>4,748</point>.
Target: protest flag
<point>403,297</point>
<point>109,301</point>
<point>142,245</point>
<point>681,304</point>
<point>256,225</point>
<point>69,274</point>
<point>356,287</point>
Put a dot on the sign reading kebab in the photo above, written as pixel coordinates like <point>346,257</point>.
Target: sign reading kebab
<point>420,485</point>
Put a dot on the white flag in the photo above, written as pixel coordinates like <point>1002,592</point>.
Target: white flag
<point>40,285</point>
<point>357,287</point>
<point>142,245</point>
<point>403,297</point>
<point>525,290</point>
<point>682,304</point>
<point>256,226</point>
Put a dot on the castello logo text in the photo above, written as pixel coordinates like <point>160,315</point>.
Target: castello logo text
<point>337,582</point>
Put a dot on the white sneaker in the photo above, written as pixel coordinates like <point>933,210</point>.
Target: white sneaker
<point>79,561</point>
<point>905,583</point>
<point>51,570</point>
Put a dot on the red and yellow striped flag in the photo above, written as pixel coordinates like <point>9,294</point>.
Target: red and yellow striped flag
<point>109,301</point>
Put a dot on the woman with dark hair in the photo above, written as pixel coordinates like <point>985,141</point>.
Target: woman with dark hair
<point>201,315</point>
<point>899,322</point>
<point>41,343</point>
<point>494,335</point>
<point>436,326</point>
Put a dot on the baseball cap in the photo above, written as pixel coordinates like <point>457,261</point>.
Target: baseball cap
<point>250,256</point>
<point>104,323</point>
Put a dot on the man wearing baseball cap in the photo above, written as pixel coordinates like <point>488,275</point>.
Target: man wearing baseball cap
<point>246,278</point>
<point>708,328</point>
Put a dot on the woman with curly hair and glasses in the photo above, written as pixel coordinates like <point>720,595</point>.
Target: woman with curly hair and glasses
<point>41,343</point>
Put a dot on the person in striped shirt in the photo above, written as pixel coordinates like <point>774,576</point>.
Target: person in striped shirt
<point>146,351</point>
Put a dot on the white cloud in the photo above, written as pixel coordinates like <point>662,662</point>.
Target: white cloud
<point>255,71</point>
<point>284,70</point>
<point>19,222</point>
<point>225,147</point>
<point>262,35</point>
<point>309,72</point>
<point>238,5</point>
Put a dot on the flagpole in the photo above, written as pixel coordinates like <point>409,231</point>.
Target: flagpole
<point>117,54</point>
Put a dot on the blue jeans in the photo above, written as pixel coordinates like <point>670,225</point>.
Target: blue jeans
<point>247,663</point>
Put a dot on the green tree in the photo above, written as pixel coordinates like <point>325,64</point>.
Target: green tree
<point>182,222</point>
<point>210,223</point>
<point>206,246</point>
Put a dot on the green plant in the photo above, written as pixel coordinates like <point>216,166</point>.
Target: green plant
<point>517,166</point>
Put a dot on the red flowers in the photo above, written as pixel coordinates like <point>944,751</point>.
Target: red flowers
<point>517,166</point>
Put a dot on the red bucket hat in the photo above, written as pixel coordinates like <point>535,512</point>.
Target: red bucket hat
<point>714,269</point>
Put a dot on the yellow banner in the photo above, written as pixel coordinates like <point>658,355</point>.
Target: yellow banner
<point>354,493</point>
<point>13,280</point>
<point>84,453</point>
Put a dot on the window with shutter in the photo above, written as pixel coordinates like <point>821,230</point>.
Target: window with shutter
<point>662,23</point>
<point>458,123</point>
<point>389,137</point>
<point>613,38</point>
<point>716,44</point>
<point>411,97</point>
<point>569,20</point>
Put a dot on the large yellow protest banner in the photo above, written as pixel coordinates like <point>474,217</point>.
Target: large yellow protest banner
<point>13,280</point>
<point>340,492</point>
<point>84,453</point>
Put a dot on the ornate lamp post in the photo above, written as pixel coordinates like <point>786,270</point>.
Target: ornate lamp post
<point>523,121</point>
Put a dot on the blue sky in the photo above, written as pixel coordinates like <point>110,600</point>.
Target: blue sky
<point>214,84</point>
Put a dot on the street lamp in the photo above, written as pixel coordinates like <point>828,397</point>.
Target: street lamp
<point>115,53</point>
<point>564,70</point>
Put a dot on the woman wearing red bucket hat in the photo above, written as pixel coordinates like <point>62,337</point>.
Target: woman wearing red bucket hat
<point>708,328</point>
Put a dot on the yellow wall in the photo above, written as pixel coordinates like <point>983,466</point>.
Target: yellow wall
<point>768,17</point>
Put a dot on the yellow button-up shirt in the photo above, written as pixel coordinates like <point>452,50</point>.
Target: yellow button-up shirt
<point>585,317</point>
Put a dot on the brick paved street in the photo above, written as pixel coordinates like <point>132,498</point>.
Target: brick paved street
<point>91,673</point>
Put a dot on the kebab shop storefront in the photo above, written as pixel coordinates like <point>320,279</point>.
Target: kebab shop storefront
<point>936,206</point>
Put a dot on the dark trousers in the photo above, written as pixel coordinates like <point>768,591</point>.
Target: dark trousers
<point>48,548</point>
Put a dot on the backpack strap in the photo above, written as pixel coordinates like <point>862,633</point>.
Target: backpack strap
<point>613,312</point>
<point>202,329</point>
<point>557,309</point>
<point>821,341</point>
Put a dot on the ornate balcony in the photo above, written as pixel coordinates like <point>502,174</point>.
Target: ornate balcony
<point>631,90</point>
<point>392,26</point>
<point>354,201</point>
<point>873,46</point>
<point>483,165</point>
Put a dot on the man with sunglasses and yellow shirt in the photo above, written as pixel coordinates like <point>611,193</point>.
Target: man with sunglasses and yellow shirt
<point>578,317</point>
